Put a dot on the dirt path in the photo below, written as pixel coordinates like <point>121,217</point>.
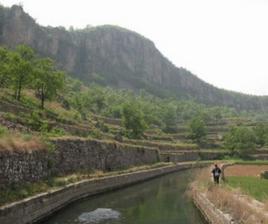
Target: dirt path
<point>245,170</point>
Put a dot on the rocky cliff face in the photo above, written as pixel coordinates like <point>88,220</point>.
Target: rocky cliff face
<point>115,56</point>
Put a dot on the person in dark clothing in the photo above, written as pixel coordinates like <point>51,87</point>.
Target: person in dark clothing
<point>216,174</point>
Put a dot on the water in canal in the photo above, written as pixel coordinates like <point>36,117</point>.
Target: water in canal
<point>158,201</point>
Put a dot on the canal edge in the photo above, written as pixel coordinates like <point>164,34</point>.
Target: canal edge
<point>36,208</point>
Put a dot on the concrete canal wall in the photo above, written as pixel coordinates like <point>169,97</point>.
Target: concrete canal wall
<point>38,207</point>
<point>209,211</point>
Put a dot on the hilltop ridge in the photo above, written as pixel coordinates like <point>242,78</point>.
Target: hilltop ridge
<point>114,56</point>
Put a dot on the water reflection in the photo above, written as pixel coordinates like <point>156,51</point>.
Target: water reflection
<point>98,215</point>
<point>158,201</point>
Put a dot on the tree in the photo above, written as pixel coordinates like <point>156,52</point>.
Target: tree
<point>4,67</point>
<point>133,120</point>
<point>47,80</point>
<point>240,139</point>
<point>261,133</point>
<point>96,99</point>
<point>21,68</point>
<point>170,118</point>
<point>198,130</point>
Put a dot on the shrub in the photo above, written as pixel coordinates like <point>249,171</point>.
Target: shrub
<point>36,121</point>
<point>3,130</point>
<point>198,130</point>
<point>261,133</point>
<point>103,127</point>
<point>95,133</point>
<point>240,139</point>
<point>133,120</point>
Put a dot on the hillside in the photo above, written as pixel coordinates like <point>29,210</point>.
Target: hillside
<point>116,57</point>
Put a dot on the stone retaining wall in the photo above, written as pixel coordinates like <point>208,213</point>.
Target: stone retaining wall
<point>163,147</point>
<point>35,208</point>
<point>190,156</point>
<point>71,155</point>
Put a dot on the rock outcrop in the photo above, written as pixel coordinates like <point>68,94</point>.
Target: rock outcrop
<point>117,57</point>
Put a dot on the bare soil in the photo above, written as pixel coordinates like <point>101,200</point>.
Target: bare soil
<point>245,170</point>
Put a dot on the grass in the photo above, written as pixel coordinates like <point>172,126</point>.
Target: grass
<point>21,142</point>
<point>253,186</point>
<point>245,162</point>
<point>19,192</point>
<point>225,197</point>
<point>172,145</point>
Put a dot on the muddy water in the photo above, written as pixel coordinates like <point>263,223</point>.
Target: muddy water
<point>158,201</point>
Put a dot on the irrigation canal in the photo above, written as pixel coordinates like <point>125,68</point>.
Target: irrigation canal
<point>158,201</point>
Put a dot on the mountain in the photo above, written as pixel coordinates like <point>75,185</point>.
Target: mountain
<point>117,57</point>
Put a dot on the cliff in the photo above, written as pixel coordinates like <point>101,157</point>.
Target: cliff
<point>116,57</point>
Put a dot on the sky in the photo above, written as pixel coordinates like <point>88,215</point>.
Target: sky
<point>224,42</point>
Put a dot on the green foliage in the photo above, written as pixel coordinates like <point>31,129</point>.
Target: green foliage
<point>240,139</point>
<point>170,118</point>
<point>157,112</point>
<point>197,129</point>
<point>254,186</point>
<point>102,126</point>
<point>3,131</point>
<point>264,175</point>
<point>4,67</point>
<point>47,80</point>
<point>133,120</point>
<point>95,133</point>
<point>36,121</point>
<point>21,69</point>
<point>261,133</point>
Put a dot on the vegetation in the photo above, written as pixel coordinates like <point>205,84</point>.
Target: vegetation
<point>240,138</point>
<point>21,191</point>
<point>244,139</point>
<point>133,120</point>
<point>34,79</point>
<point>47,80</point>
<point>21,69</point>
<point>198,129</point>
<point>21,142</point>
<point>253,186</point>
<point>225,197</point>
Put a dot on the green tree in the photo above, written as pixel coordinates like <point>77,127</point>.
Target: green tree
<point>261,133</point>
<point>98,99</point>
<point>4,67</point>
<point>133,120</point>
<point>169,118</point>
<point>21,69</point>
<point>47,80</point>
<point>198,130</point>
<point>240,139</point>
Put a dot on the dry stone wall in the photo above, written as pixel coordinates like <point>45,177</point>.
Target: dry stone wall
<point>40,206</point>
<point>191,156</point>
<point>71,155</point>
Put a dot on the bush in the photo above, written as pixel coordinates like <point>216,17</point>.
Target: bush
<point>240,139</point>
<point>261,133</point>
<point>3,130</point>
<point>264,175</point>
<point>95,133</point>
<point>198,130</point>
<point>103,127</point>
<point>36,121</point>
<point>133,120</point>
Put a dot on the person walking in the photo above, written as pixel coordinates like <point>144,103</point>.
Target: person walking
<point>216,172</point>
